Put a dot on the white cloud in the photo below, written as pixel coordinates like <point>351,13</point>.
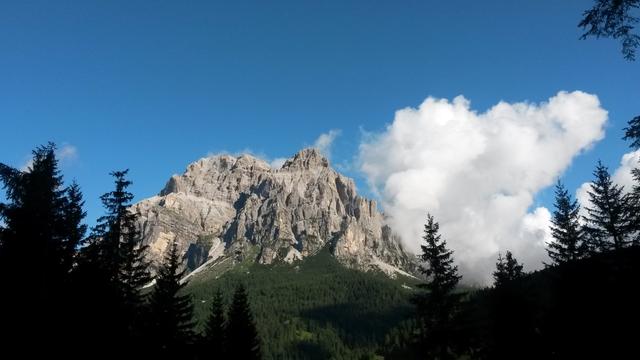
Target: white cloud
<point>582,195</point>
<point>324,141</point>
<point>622,175</point>
<point>277,162</point>
<point>478,173</point>
<point>65,155</point>
<point>27,165</point>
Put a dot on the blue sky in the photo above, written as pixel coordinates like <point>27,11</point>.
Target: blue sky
<point>154,85</point>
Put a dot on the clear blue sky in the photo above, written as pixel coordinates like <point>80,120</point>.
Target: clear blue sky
<point>154,85</point>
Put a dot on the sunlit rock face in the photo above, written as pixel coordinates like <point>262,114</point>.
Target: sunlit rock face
<point>225,205</point>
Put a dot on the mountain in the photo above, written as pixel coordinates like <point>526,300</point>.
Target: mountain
<point>235,207</point>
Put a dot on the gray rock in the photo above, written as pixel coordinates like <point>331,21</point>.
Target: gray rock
<point>223,206</point>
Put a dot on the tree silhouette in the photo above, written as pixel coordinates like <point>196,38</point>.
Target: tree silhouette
<point>436,308</point>
<point>111,272</point>
<point>566,229</point>
<point>608,224</point>
<point>74,228</point>
<point>614,19</point>
<point>214,340</point>
<point>171,313</point>
<point>512,321</point>
<point>507,269</point>
<point>243,341</point>
<point>36,251</point>
<point>632,133</point>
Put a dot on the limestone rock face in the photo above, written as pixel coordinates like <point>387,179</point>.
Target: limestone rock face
<point>224,205</point>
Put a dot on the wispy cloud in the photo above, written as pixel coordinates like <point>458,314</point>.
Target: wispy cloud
<point>324,142</point>
<point>66,155</point>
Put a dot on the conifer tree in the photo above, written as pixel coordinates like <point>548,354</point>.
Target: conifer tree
<point>566,229</point>
<point>73,225</point>
<point>243,341</point>
<point>34,229</point>
<point>33,217</point>
<point>171,313</point>
<point>437,308</point>
<point>507,269</point>
<point>634,207</point>
<point>608,223</point>
<point>632,132</point>
<point>113,271</point>
<point>214,339</point>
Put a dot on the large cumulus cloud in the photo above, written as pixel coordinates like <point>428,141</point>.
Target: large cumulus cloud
<point>478,173</point>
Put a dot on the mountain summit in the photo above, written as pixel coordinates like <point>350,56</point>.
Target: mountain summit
<point>239,206</point>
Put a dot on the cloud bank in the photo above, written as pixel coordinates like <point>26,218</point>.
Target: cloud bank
<point>478,173</point>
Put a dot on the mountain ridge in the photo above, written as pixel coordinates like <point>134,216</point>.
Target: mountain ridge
<point>223,205</point>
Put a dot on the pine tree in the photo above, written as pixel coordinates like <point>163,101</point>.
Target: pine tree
<point>36,229</point>
<point>566,229</point>
<point>634,207</point>
<point>74,229</point>
<point>507,269</point>
<point>511,328</point>
<point>243,341</point>
<point>632,132</point>
<point>171,313</point>
<point>214,339</point>
<point>608,223</point>
<point>436,309</point>
<point>34,218</point>
<point>113,271</point>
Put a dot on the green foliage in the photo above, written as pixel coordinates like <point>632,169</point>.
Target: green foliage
<point>315,308</point>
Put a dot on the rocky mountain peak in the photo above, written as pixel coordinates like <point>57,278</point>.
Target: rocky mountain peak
<point>307,159</point>
<point>225,205</point>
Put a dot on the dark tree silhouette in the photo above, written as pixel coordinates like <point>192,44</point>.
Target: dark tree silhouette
<point>111,273</point>
<point>171,313</point>
<point>36,252</point>
<point>214,339</point>
<point>243,341</point>
<point>74,228</point>
<point>569,242</point>
<point>632,133</point>
<point>507,269</point>
<point>614,19</point>
<point>436,308</point>
<point>608,224</point>
<point>512,322</point>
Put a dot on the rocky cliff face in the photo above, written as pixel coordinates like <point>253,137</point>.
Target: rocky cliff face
<point>224,206</point>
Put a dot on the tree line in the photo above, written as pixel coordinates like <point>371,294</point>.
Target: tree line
<point>73,292</point>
